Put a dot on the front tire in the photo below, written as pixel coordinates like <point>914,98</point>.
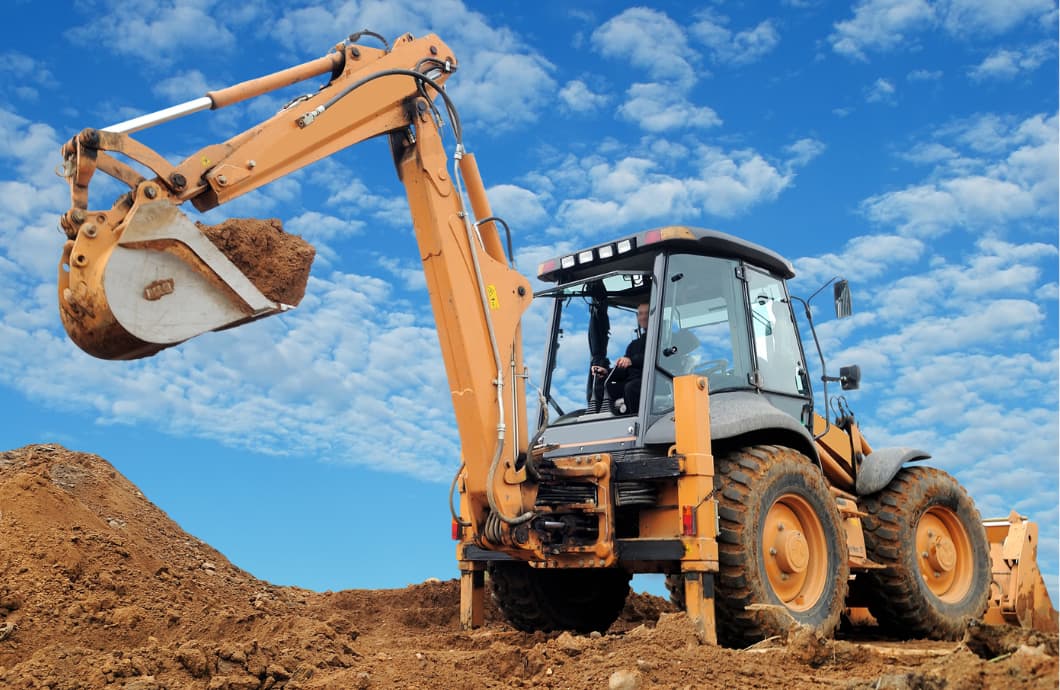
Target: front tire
<point>781,542</point>
<point>582,600</point>
<point>924,527</point>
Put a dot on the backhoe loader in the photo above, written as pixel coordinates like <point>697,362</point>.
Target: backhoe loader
<point>762,507</point>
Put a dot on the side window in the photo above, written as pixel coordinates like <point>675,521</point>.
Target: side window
<point>776,347</point>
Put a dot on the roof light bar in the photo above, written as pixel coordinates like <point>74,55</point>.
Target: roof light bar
<point>567,262</point>
<point>606,251</point>
<point>624,246</point>
<point>585,257</point>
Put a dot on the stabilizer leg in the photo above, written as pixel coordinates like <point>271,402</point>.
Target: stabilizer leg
<point>699,603</point>
<point>472,595</point>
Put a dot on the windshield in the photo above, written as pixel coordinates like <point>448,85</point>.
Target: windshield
<point>594,322</point>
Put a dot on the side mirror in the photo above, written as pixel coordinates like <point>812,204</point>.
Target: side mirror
<point>850,377</point>
<point>843,306</point>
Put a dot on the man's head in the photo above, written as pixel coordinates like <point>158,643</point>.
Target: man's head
<point>642,315</point>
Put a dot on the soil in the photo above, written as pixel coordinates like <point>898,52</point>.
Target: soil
<point>100,589</point>
<point>276,262</point>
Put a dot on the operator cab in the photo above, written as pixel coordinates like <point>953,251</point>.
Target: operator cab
<point>718,308</point>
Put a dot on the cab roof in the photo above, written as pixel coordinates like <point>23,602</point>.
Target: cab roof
<point>637,252</point>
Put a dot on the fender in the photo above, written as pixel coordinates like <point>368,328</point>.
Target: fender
<point>879,467</point>
<point>740,413</point>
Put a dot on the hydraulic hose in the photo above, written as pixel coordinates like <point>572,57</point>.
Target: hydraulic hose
<point>452,489</point>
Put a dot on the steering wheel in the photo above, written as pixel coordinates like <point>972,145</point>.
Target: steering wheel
<point>714,366</point>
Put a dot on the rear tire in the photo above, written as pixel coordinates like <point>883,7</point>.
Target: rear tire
<point>925,528</point>
<point>582,600</point>
<point>781,542</point>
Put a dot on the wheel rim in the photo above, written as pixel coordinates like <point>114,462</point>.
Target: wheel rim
<point>944,554</point>
<point>795,550</point>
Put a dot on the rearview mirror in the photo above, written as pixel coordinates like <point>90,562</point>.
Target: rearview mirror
<point>850,377</point>
<point>843,306</point>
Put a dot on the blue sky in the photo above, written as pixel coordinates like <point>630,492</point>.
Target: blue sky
<point>908,145</point>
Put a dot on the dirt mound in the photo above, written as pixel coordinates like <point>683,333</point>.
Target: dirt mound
<point>276,262</point>
<point>100,589</point>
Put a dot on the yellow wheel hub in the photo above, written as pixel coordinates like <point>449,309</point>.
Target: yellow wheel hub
<point>944,554</point>
<point>795,550</point>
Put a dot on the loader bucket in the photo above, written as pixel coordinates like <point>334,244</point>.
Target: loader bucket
<point>154,279</point>
<point>1018,595</point>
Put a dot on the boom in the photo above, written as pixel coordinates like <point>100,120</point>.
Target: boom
<point>140,277</point>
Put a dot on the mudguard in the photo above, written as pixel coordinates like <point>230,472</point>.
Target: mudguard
<point>738,413</point>
<point>879,467</point>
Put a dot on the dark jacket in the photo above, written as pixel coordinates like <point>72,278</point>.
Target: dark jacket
<point>635,351</point>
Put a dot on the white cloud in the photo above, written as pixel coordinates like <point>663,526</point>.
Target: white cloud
<point>659,107</point>
<point>731,182</point>
<point>740,47</point>
<point>662,104</point>
<point>520,207</point>
<point>804,150</point>
<point>32,203</point>
<point>1019,181</point>
<point>941,328</point>
<point>881,91</point>
<point>1047,292</point>
<point>863,258</point>
<point>924,75</point>
<point>996,269</point>
<point>930,153</point>
<point>578,97</point>
<point>880,25</point>
<point>636,190</point>
<point>316,226</point>
<point>22,66</point>
<point>308,29</point>
<point>182,87</point>
<point>1005,64</point>
<point>931,209</point>
<point>650,40</point>
<point>991,17</point>
<point>885,25</point>
<point>503,89</point>
<point>32,146</point>
<point>156,31</point>
<point>409,273</point>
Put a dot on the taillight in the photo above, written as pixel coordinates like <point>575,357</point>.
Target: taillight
<point>456,530</point>
<point>688,527</point>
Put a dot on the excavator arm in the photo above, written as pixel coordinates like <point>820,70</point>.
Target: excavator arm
<point>141,276</point>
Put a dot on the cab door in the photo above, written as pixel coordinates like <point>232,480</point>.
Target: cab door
<point>780,369</point>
